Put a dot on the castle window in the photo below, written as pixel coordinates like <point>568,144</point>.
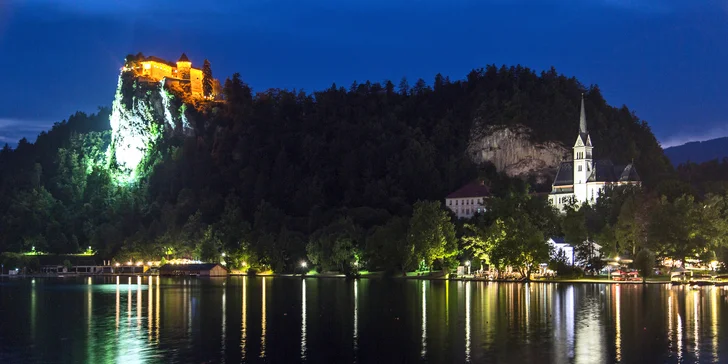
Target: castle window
<point>456,202</point>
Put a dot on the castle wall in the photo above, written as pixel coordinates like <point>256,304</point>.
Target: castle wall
<point>156,70</point>
<point>196,81</point>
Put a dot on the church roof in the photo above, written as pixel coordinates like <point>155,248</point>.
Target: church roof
<point>183,58</point>
<point>472,189</point>
<point>565,174</point>
<point>604,171</point>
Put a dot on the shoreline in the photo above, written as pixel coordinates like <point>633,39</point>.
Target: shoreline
<point>367,276</point>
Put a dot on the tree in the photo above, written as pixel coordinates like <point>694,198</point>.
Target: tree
<point>685,228</point>
<point>645,263</point>
<point>387,246</point>
<point>631,228</point>
<point>207,80</point>
<point>431,233</point>
<point>334,246</point>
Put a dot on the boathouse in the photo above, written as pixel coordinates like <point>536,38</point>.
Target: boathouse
<point>205,269</point>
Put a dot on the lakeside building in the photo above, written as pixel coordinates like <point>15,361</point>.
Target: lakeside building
<point>468,200</point>
<point>204,269</point>
<point>560,246</point>
<point>582,179</point>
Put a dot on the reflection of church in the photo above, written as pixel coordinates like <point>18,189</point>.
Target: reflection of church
<point>582,178</point>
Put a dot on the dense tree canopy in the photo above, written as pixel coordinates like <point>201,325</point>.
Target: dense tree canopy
<point>274,177</point>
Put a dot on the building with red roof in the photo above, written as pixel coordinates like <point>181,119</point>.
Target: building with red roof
<point>468,200</point>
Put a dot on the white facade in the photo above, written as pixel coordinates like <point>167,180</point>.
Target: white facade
<point>466,207</point>
<point>582,179</point>
<point>558,246</point>
<point>469,200</point>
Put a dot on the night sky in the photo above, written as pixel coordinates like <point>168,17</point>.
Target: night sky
<point>665,59</point>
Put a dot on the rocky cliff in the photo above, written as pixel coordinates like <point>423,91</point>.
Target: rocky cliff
<point>512,151</point>
<point>141,113</point>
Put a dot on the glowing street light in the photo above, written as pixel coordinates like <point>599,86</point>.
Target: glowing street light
<point>223,254</point>
<point>467,264</point>
<point>304,264</point>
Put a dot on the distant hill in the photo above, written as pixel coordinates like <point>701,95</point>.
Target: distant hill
<point>698,152</point>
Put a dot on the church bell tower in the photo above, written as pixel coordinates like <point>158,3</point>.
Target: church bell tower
<point>583,164</point>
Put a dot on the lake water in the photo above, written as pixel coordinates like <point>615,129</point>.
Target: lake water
<point>290,320</point>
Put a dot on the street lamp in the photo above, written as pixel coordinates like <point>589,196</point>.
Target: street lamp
<point>467,264</point>
<point>303,264</point>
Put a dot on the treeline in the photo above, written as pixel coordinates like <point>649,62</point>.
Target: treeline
<point>628,220</point>
<point>269,177</point>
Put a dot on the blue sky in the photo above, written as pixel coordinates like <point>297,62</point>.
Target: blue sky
<point>665,59</point>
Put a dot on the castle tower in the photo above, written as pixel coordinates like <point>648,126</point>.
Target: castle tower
<point>583,163</point>
<point>183,67</point>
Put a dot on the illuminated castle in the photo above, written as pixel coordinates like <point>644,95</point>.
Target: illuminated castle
<point>155,69</point>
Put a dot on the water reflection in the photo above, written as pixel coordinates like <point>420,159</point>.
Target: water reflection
<point>262,322</point>
<point>244,320</point>
<point>714,321</point>
<point>618,322</point>
<point>380,322</point>
<point>303,319</point>
<point>150,308</point>
<point>139,302</point>
<point>467,321</point>
<point>356,317</point>
<point>424,321</point>
<point>223,324</point>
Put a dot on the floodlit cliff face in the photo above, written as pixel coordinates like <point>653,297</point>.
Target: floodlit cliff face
<point>141,113</point>
<point>511,150</point>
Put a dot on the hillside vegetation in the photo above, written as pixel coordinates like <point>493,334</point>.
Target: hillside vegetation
<point>262,174</point>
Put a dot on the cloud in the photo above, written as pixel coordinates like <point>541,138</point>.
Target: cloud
<point>12,129</point>
<point>710,133</point>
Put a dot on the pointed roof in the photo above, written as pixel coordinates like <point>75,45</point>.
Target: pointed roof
<point>583,132</point>
<point>183,58</point>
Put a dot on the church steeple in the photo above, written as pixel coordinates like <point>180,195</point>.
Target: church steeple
<point>582,118</point>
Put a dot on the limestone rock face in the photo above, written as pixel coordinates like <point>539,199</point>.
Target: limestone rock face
<point>141,113</point>
<point>511,150</point>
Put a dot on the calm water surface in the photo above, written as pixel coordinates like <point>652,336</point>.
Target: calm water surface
<point>290,320</point>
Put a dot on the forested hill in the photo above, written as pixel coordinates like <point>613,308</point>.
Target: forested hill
<point>261,172</point>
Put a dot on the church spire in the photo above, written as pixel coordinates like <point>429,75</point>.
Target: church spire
<point>582,118</point>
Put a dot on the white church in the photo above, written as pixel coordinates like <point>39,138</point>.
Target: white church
<point>582,178</point>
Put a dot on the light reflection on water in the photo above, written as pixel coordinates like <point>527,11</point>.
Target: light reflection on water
<point>206,320</point>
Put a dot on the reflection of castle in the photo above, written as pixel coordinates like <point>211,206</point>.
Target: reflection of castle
<point>179,73</point>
